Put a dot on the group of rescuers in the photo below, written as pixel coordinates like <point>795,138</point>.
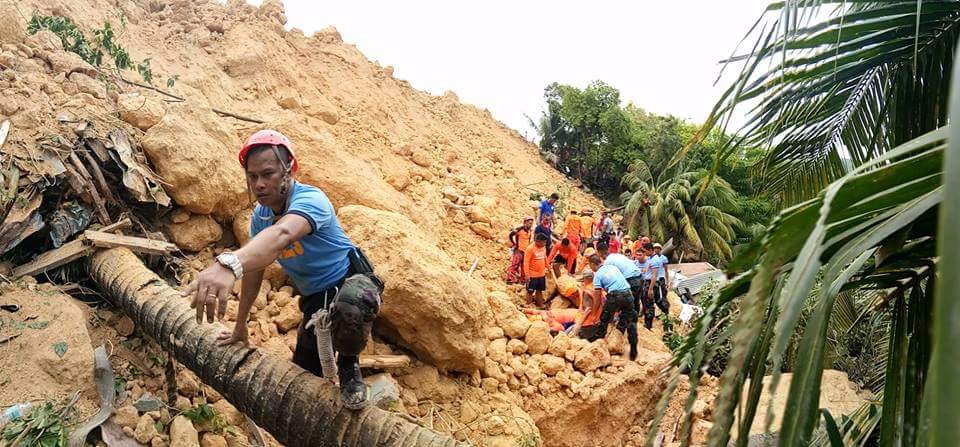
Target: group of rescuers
<point>295,225</point>
<point>595,266</point>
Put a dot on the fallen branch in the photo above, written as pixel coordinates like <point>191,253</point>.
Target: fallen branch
<point>137,244</point>
<point>384,361</point>
<point>180,99</point>
<point>239,117</point>
<point>474,266</point>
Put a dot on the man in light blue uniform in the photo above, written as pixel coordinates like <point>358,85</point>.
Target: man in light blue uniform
<point>663,275</point>
<point>631,272</point>
<point>653,280</point>
<point>609,279</point>
<point>295,225</point>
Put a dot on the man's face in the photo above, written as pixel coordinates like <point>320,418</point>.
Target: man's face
<point>594,265</point>
<point>657,250</point>
<point>264,176</point>
<point>551,201</point>
<point>527,224</point>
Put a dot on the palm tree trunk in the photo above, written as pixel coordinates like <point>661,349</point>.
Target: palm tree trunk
<point>298,408</point>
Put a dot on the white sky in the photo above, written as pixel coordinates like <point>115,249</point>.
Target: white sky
<point>661,54</point>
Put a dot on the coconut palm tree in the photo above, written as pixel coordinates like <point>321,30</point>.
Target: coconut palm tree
<point>854,115</point>
<point>702,229</point>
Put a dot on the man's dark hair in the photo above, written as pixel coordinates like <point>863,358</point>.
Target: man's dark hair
<point>555,196</point>
<point>540,237</point>
<point>648,246</point>
<point>282,150</point>
<point>628,252</point>
<point>573,211</point>
<point>565,241</point>
<point>603,247</point>
<point>595,259</point>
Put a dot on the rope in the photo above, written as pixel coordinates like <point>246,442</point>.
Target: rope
<point>320,322</point>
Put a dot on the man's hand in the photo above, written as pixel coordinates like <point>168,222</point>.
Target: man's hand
<point>210,291</point>
<point>238,334</point>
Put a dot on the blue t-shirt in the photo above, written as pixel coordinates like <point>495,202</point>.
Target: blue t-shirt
<point>623,263</point>
<point>318,260</point>
<point>654,262</point>
<point>546,209</point>
<point>610,279</point>
<point>663,263</point>
<point>642,265</point>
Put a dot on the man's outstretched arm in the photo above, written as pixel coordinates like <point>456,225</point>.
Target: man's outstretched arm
<point>217,281</point>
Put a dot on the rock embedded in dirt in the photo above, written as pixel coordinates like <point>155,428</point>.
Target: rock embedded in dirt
<point>592,357</point>
<point>181,215</point>
<point>538,338</point>
<point>194,151</point>
<point>140,110</point>
<point>482,229</point>
<point>429,305</point>
<point>124,326</point>
<point>551,365</point>
<point>493,333</point>
<point>497,351</point>
<point>198,232</point>
<point>516,347</point>
<point>560,345</point>
<point>241,226</point>
<point>125,416</point>
<point>187,383</point>
<point>213,440</point>
<point>183,433</point>
<point>229,413</point>
<point>507,316</point>
<point>146,429</point>
<point>289,318</point>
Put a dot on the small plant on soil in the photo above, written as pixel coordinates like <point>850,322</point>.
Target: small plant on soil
<point>92,51</point>
<point>46,425</point>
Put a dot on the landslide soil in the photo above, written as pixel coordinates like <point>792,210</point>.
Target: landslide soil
<point>441,170</point>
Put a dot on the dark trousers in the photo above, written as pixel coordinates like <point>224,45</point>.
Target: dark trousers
<point>642,300</point>
<point>659,297</point>
<point>620,301</point>
<point>348,331</point>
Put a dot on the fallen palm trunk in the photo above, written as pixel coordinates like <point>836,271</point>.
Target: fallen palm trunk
<point>297,407</point>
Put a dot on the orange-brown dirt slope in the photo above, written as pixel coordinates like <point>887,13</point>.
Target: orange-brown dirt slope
<point>424,184</point>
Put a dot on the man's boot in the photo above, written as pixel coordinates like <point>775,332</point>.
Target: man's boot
<point>353,392</point>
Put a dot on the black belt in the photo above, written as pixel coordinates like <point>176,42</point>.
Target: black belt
<point>323,299</point>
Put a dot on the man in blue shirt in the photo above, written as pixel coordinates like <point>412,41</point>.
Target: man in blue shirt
<point>295,225</point>
<point>653,279</point>
<point>547,208</point>
<point>663,276</point>
<point>642,262</point>
<point>607,278</point>
<point>630,271</point>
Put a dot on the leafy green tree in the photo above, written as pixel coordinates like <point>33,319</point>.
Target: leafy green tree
<point>702,229</point>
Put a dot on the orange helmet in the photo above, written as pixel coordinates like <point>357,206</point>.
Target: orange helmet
<point>268,136</point>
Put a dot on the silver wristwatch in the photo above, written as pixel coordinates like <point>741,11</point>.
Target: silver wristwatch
<point>230,260</point>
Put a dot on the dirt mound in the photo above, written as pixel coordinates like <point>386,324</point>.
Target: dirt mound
<point>428,186</point>
<point>46,352</point>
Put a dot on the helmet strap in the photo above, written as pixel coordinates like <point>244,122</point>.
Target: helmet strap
<point>287,167</point>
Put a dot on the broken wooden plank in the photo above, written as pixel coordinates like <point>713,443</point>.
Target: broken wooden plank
<point>384,361</point>
<point>91,189</point>
<point>116,227</point>
<point>52,259</point>
<point>98,176</point>
<point>136,244</point>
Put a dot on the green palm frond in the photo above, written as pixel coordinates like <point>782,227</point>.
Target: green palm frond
<point>842,87</point>
<point>868,229</point>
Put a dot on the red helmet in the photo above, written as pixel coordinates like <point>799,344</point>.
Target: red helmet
<point>268,136</point>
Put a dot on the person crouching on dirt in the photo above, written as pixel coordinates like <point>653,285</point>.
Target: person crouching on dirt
<point>607,278</point>
<point>563,256</point>
<point>295,224</point>
<point>630,271</point>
